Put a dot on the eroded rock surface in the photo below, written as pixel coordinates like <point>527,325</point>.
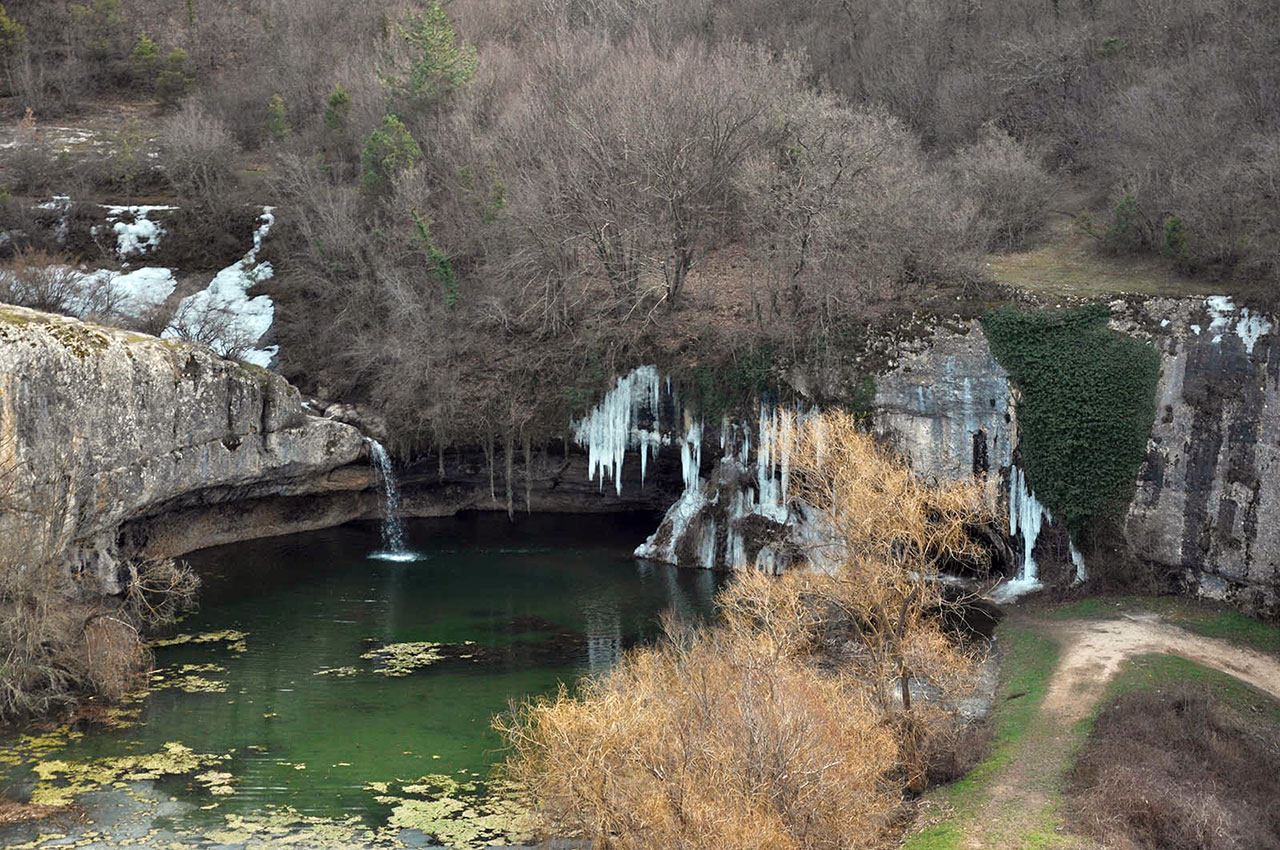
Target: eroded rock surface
<point>101,427</point>
<point>1208,496</point>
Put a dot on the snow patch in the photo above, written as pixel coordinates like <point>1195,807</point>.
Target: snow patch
<point>141,234</point>
<point>1012,589</point>
<point>223,315</point>
<point>1249,327</point>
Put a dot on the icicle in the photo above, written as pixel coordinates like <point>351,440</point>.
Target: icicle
<point>611,428</point>
<point>1026,517</point>
<point>707,545</point>
<point>1077,559</point>
<point>691,454</point>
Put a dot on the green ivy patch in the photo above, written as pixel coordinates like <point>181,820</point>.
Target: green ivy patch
<point>1088,401</point>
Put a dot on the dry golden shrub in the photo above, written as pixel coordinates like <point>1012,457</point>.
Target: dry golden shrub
<point>714,740</point>
<point>790,723</point>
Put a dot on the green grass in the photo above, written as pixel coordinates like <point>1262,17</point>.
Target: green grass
<point>1211,619</point>
<point>1029,659</point>
<point>1158,672</point>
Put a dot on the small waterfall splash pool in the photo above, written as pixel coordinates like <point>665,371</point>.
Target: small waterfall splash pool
<point>393,545</point>
<point>325,684</point>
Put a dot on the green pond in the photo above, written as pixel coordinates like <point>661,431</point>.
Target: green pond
<point>301,709</point>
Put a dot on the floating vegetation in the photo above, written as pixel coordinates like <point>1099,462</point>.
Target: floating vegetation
<point>29,748</point>
<point>216,782</point>
<point>187,679</point>
<point>62,781</point>
<point>401,659</point>
<point>234,639</point>
<point>459,814</point>
<point>340,672</point>
<point>127,712</point>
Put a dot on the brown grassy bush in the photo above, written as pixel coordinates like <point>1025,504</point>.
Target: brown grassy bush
<point>1177,771</point>
<point>710,741</point>
<point>1012,190</point>
<point>40,281</point>
<point>199,154</point>
<point>60,639</point>
<point>791,722</point>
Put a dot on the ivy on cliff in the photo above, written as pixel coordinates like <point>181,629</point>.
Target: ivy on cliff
<point>1088,401</point>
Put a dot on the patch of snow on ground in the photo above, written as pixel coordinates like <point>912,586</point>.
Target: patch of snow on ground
<point>144,289</point>
<point>223,315</point>
<point>114,296</point>
<point>1012,589</point>
<point>139,235</point>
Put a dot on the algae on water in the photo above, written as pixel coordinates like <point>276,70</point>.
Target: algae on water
<point>401,659</point>
<point>234,639</point>
<point>60,782</point>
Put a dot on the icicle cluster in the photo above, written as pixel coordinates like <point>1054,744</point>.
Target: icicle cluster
<point>612,427</point>
<point>691,454</point>
<point>1026,518</point>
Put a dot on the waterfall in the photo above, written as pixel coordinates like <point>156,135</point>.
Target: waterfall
<point>393,548</point>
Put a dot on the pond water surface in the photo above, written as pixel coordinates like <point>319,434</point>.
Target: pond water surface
<point>285,677</point>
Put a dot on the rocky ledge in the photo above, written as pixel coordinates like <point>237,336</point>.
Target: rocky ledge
<point>102,429</point>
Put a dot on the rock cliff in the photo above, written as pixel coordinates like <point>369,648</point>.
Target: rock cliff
<point>1206,505</point>
<point>100,428</point>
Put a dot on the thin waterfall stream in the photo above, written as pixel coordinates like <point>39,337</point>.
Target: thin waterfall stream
<point>393,545</point>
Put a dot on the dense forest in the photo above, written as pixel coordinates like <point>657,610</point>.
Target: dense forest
<point>489,208</point>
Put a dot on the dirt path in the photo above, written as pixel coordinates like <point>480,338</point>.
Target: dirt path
<point>1020,812</point>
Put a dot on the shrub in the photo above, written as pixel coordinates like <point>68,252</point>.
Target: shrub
<point>13,36</point>
<point>1177,769</point>
<point>277,118</point>
<point>173,81</point>
<point>389,150</point>
<point>1177,244</point>
<point>40,281</point>
<point>790,723</point>
<point>337,110</point>
<point>199,154</point>
<point>60,640</point>
<point>432,65</point>
<point>1125,232</point>
<point>710,741</point>
<point>145,57</point>
<point>1011,189</point>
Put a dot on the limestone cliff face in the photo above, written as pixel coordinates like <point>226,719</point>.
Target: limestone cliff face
<point>100,428</point>
<point>949,406</point>
<point>1207,503</point>
<point>1208,495</point>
